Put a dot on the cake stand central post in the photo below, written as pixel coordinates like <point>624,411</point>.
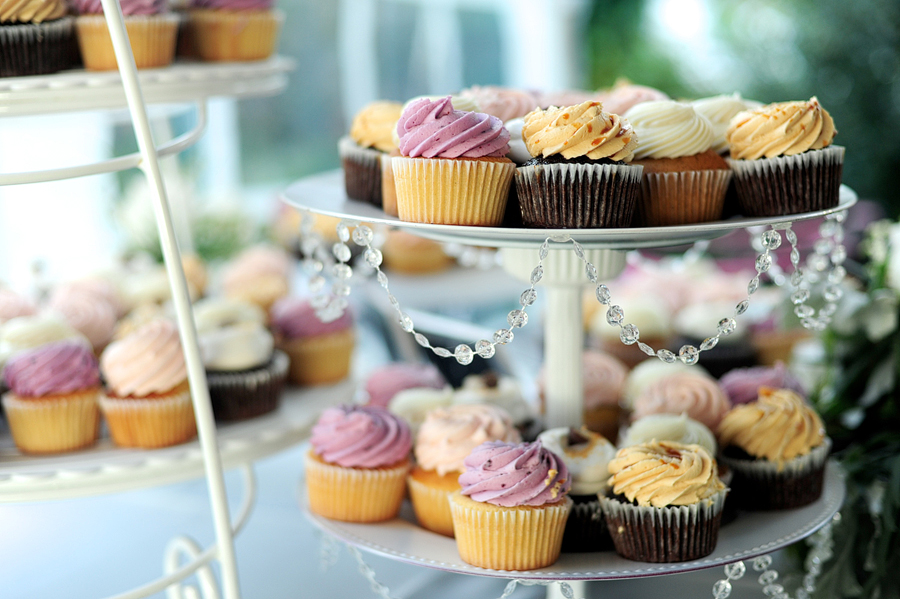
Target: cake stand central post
<point>564,279</point>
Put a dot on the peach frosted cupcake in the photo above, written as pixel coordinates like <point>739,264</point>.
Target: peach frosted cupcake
<point>260,275</point>
<point>147,401</point>
<point>89,313</point>
<point>52,402</point>
<point>691,392</point>
<point>357,464</point>
<point>361,151</point>
<point>443,442</point>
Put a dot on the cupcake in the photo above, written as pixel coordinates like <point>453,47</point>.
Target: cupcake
<point>319,352</point>
<point>505,103</point>
<point>670,427</point>
<point>410,254</point>
<point>152,32</point>
<point>413,405</point>
<point>89,313</point>
<point>28,332</point>
<point>260,275</point>
<point>147,402</point>
<point>783,159</point>
<point>357,464</point>
<point>13,305</point>
<point>742,385</point>
<point>244,372</point>
<point>501,391</point>
<point>719,110</point>
<point>624,95</point>
<point>445,439</point>
<point>648,372</point>
<point>234,30</point>
<point>665,504</point>
<point>568,97</point>
<point>579,177</point>
<point>137,318</point>
<point>361,152</point>
<point>684,179</point>
<point>697,395</point>
<point>453,168</point>
<point>36,38</point>
<point>513,506</point>
<point>587,456</point>
<point>700,320</point>
<point>777,448</point>
<point>384,383</point>
<point>52,403</point>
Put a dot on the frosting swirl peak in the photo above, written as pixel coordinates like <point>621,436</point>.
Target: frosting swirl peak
<point>31,11</point>
<point>433,129</point>
<point>582,130</point>
<point>149,360</point>
<point>450,434</point>
<point>669,129</point>
<point>361,437</point>
<point>780,129</point>
<point>373,126</point>
<point>697,395</point>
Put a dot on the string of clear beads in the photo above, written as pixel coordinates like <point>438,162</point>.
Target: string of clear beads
<point>565,589</point>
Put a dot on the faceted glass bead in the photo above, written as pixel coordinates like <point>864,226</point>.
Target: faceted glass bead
<point>318,301</point>
<point>771,240</point>
<point>828,310</point>
<point>688,354</point>
<point>517,319</point>
<point>736,570</point>
<point>545,249</point>
<point>768,577</point>
<point>763,262</point>
<point>340,303</point>
<point>795,257</point>
<point>800,296</point>
<point>311,266</point>
<point>591,272</point>
<point>722,589</point>
<point>753,285</point>
<point>342,271</point>
<point>566,590</point>
<point>309,244</point>
<point>823,246</point>
<point>629,334</point>
<point>394,301</point>
<point>406,322</point>
<point>837,274</point>
<point>809,583</point>
<point>422,340</point>
<point>839,255</point>
<point>771,590</point>
<point>442,352</point>
<point>726,326</point>
<point>537,274</point>
<point>796,278</point>
<point>464,354</point>
<point>827,228</point>
<point>503,336</point>
<point>528,297</point>
<point>709,343</point>
<point>741,307</point>
<point>340,289</point>
<point>646,349</point>
<point>762,562</point>
<point>382,279</point>
<point>316,283</point>
<point>615,315</point>
<point>817,262</point>
<point>484,348</point>
<point>804,311</point>
<point>838,217</point>
<point>307,222</point>
<point>373,257</point>
<point>832,293</point>
<point>603,294</point>
<point>666,356</point>
<point>579,251</point>
<point>343,232</point>
<point>363,235</point>
<point>802,594</point>
<point>791,237</point>
<point>341,251</point>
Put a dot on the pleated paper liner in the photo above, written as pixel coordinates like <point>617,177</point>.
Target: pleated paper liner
<point>37,48</point>
<point>320,359</point>
<point>452,191</point>
<point>388,189</point>
<point>362,171</point>
<point>508,538</point>
<point>578,196</point>
<point>235,35</point>
<point>53,424</point>
<point>354,494</point>
<point>674,533</point>
<point>586,529</point>
<point>152,38</point>
<point>789,184</point>
<point>158,421</point>
<point>430,493</point>
<point>248,393</point>
<point>681,198</point>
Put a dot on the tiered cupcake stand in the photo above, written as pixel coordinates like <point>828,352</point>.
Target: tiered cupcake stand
<point>561,274</point>
<point>107,469</point>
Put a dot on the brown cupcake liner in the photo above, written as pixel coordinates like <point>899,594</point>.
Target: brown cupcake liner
<point>676,533</point>
<point>54,424</point>
<point>152,39</point>
<point>150,422</point>
<point>681,198</point>
<point>586,529</point>
<point>248,393</point>
<point>578,196</point>
<point>452,191</point>
<point>760,485</point>
<point>37,48</point>
<point>362,171</point>
<point>789,184</point>
<point>234,35</point>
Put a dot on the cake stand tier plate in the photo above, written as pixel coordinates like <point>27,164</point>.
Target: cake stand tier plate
<point>750,535</point>
<point>324,194</point>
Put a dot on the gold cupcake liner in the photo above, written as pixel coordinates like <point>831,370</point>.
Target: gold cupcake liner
<point>432,505</point>
<point>152,38</point>
<point>452,192</point>
<point>354,494</point>
<point>225,35</point>
<point>508,538</point>
<point>681,198</point>
<point>151,422</point>
<point>53,424</point>
<point>321,359</point>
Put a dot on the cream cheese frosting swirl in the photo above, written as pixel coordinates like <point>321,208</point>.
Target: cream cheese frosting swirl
<point>450,434</point>
<point>361,437</point>
<point>669,129</point>
<point>148,361</point>
<point>433,129</point>
<point>31,11</point>
<point>582,130</point>
<point>720,110</point>
<point>698,396</point>
<point>662,473</point>
<point>780,129</point>
<point>779,426</point>
<point>586,454</point>
<point>670,427</point>
<point>373,126</point>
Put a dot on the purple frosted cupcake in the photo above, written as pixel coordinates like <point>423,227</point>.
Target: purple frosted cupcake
<point>742,385</point>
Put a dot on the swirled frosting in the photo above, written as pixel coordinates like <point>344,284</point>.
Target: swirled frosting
<point>448,435</point>
<point>586,455</point>
<point>698,396</point>
<point>373,126</point>
<point>648,372</point>
<point>623,96</point>
<point>669,129</point>
<point>235,4</point>
<point>433,129</point>
<point>52,369</point>
<point>361,437</point>
<point>129,7</point>
<point>31,11</point>
<point>662,473</point>
<point>294,317</point>
<point>669,427</point>
<point>252,265</point>
<point>147,361</point>
<point>501,391</point>
<point>720,110</point>
<point>383,384</point>
<point>27,332</point>
<point>504,103</point>
<point>604,378</point>
<point>569,97</point>
<point>232,334</point>
<point>582,130</point>
<point>510,474</point>
<point>90,314</point>
<point>742,384</point>
<point>13,305</point>
<point>780,129</point>
<point>779,426</point>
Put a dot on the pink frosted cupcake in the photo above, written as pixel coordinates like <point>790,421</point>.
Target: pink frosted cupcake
<point>742,385</point>
<point>52,402</point>
<point>13,305</point>
<point>505,103</point>
<point>386,382</point>
<point>260,275</point>
<point>623,96</point>
<point>234,30</point>
<point>147,401</point>
<point>357,465</point>
<point>90,314</point>
<point>697,395</point>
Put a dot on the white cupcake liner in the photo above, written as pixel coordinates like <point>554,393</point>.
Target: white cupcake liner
<point>53,425</point>
<point>150,422</point>
<point>362,171</point>
<point>682,198</point>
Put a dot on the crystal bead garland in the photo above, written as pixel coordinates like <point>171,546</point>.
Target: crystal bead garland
<point>565,589</point>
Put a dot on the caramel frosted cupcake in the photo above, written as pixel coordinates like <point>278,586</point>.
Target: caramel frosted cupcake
<point>579,177</point>
<point>453,167</point>
<point>783,159</point>
<point>665,504</point>
<point>443,442</point>
<point>692,393</point>
<point>684,180</point>
<point>513,506</point>
<point>361,152</point>
<point>777,448</point>
<point>357,464</point>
